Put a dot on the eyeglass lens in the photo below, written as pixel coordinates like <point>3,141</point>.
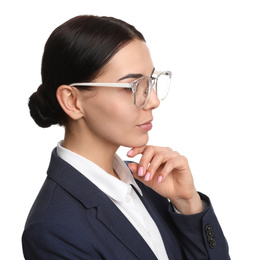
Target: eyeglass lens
<point>142,92</point>
<point>163,83</point>
<point>161,86</point>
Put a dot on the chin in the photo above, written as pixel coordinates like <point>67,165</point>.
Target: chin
<point>138,142</point>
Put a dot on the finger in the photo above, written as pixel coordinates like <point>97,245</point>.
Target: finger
<point>148,156</point>
<point>139,150</point>
<point>135,150</point>
<point>134,169</point>
<point>149,152</point>
<point>179,163</point>
<point>159,160</point>
<point>167,169</point>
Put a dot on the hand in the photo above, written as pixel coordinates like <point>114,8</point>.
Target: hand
<point>168,173</point>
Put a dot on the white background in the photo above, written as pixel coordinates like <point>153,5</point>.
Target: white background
<point>214,114</point>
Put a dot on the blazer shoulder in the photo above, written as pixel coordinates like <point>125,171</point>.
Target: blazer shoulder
<point>42,202</point>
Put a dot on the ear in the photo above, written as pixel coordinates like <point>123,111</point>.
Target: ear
<point>68,99</point>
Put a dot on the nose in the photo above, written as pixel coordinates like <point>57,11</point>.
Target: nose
<point>153,102</point>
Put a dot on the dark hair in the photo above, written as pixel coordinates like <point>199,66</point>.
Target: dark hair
<point>76,51</point>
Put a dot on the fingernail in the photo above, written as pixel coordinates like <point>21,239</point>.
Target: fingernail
<point>130,152</point>
<point>159,179</point>
<point>147,176</point>
<point>141,171</point>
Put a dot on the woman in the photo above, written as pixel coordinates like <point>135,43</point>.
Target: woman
<point>99,82</point>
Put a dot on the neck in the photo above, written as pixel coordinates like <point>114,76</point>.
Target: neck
<point>91,148</point>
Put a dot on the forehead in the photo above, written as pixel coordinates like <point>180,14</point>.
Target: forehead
<point>132,58</point>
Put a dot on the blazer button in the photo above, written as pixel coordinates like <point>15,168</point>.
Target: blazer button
<point>211,240</point>
<point>213,245</point>
<point>208,228</point>
<point>210,236</point>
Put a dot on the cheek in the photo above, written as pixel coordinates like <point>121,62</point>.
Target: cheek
<point>111,118</point>
<point>120,118</point>
<point>118,108</point>
<point>123,125</point>
<point>115,120</point>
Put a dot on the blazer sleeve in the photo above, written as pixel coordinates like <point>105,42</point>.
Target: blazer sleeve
<point>200,234</point>
<point>45,241</point>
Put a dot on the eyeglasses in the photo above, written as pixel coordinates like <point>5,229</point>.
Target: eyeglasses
<point>141,88</point>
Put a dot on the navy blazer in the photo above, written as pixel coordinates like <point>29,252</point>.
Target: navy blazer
<point>72,219</point>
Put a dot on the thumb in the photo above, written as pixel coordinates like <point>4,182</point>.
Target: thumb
<point>134,168</point>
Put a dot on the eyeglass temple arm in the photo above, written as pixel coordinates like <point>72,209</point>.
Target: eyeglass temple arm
<point>118,85</point>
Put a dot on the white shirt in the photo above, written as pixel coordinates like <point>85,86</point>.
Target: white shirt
<point>121,193</point>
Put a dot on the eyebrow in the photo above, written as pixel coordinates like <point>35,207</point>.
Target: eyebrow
<point>135,76</point>
<point>129,76</point>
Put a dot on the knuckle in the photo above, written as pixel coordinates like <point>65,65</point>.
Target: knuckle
<point>170,163</point>
<point>158,148</point>
<point>176,153</point>
<point>150,148</point>
<point>184,159</point>
<point>159,156</point>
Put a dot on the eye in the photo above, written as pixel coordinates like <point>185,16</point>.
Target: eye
<point>146,92</point>
<point>128,90</point>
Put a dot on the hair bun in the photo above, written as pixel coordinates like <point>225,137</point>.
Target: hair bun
<point>40,110</point>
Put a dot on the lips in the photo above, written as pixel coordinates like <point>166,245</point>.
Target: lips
<point>147,126</point>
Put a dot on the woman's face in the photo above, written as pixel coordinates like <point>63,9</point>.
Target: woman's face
<point>110,115</point>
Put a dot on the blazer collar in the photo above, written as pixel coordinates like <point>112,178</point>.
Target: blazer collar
<point>91,196</point>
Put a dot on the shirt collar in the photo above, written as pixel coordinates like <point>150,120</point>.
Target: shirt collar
<point>111,186</point>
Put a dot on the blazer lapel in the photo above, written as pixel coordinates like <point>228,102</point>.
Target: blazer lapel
<point>119,225</point>
<point>107,213</point>
<point>164,223</point>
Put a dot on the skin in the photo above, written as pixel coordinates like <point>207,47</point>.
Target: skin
<point>102,120</point>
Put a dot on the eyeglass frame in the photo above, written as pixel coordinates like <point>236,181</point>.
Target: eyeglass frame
<point>132,85</point>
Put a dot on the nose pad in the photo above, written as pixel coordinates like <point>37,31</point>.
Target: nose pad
<point>153,102</point>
